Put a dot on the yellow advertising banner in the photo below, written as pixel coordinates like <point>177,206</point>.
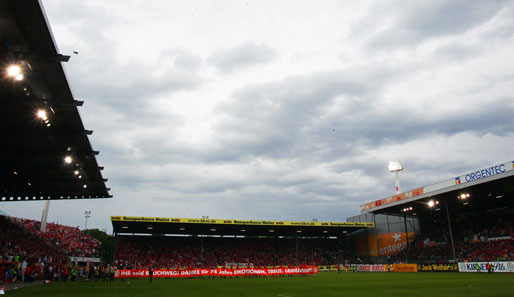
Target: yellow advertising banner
<point>239,222</point>
<point>388,244</point>
<point>438,267</point>
<point>402,268</point>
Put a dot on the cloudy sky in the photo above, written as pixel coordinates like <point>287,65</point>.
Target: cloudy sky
<point>281,110</point>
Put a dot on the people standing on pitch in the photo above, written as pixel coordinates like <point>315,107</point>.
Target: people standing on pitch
<point>150,273</point>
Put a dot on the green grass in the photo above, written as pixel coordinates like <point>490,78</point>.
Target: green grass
<point>324,284</point>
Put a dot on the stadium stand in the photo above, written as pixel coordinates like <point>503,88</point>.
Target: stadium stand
<point>26,254</point>
<point>477,238</point>
<point>140,251</point>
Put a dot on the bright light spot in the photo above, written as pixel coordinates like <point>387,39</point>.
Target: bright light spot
<point>19,77</point>
<point>80,176</point>
<point>431,203</point>
<point>41,114</point>
<point>76,172</point>
<point>14,70</point>
<point>68,159</point>
<point>85,186</point>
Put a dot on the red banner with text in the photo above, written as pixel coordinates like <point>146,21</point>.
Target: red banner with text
<point>139,273</point>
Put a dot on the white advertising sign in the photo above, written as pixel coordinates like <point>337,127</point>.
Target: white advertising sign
<point>482,266</point>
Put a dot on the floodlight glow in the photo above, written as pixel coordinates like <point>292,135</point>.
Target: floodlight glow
<point>464,196</point>
<point>42,114</point>
<point>431,203</point>
<point>13,70</point>
<point>85,186</point>
<point>68,159</point>
<point>394,166</point>
<point>76,172</point>
<point>18,77</point>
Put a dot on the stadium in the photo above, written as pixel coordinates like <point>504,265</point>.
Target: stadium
<point>451,238</point>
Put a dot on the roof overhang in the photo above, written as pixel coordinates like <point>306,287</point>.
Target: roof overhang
<point>182,226</point>
<point>33,149</point>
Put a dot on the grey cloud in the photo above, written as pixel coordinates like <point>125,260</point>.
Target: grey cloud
<point>242,56</point>
<point>416,21</point>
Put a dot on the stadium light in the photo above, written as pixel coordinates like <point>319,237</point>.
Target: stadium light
<point>87,215</point>
<point>407,209</point>
<point>14,71</point>
<point>463,196</point>
<point>76,172</point>
<point>41,113</point>
<point>395,167</point>
<point>432,203</point>
<point>85,186</point>
<point>68,160</point>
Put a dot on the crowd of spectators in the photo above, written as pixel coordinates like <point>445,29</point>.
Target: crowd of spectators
<point>140,251</point>
<point>27,254</point>
<point>484,238</point>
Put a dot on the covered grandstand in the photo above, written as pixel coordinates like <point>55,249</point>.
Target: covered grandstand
<point>464,218</point>
<point>172,242</point>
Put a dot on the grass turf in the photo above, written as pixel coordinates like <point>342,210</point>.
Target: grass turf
<point>324,284</point>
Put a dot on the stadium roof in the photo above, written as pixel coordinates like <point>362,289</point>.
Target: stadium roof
<point>477,191</point>
<point>39,122</point>
<point>151,225</point>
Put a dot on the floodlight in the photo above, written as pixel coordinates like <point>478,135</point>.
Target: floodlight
<point>394,166</point>
<point>14,70</point>
<point>76,172</point>
<point>463,196</point>
<point>42,114</point>
<point>85,186</point>
<point>68,159</point>
<point>431,203</point>
<point>18,77</point>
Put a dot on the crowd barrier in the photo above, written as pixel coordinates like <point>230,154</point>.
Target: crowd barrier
<point>143,273</point>
<point>482,266</point>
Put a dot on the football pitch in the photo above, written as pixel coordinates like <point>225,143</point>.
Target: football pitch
<point>323,284</point>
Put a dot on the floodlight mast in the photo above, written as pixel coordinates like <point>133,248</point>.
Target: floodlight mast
<point>44,216</point>
<point>395,167</point>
